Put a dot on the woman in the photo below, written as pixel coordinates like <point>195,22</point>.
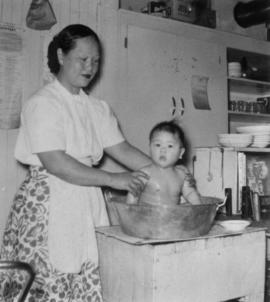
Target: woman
<point>63,135</point>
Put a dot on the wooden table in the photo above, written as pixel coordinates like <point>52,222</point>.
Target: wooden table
<point>217,267</point>
<point>266,223</point>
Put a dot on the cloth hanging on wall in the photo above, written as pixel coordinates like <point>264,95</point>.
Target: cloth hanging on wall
<point>40,15</point>
<point>11,75</point>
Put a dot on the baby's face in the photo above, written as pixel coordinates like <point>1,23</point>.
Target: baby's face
<point>165,149</point>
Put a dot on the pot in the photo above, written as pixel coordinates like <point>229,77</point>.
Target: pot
<point>167,221</point>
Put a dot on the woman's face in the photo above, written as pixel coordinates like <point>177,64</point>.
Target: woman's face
<point>79,66</point>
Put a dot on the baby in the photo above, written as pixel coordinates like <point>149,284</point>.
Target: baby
<point>167,180</point>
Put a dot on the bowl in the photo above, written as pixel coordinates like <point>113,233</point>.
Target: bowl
<point>234,225</point>
<point>166,221</point>
<point>236,140</point>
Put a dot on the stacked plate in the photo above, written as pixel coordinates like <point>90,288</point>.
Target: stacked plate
<point>234,69</point>
<point>236,140</point>
<point>261,134</point>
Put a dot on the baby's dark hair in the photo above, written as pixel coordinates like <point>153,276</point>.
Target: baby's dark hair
<point>66,40</point>
<point>170,127</point>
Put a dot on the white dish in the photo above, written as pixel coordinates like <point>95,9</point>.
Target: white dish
<point>234,225</point>
<point>234,69</point>
<point>265,135</point>
<point>260,139</point>
<point>263,128</point>
<point>260,145</point>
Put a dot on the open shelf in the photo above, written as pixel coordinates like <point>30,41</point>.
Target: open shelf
<point>253,150</point>
<point>235,116</point>
<point>244,85</point>
<point>256,84</point>
<point>258,64</point>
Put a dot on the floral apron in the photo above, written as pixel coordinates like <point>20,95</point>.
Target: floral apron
<point>26,239</point>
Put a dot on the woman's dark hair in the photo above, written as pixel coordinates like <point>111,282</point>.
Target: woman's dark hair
<point>171,127</point>
<point>66,40</point>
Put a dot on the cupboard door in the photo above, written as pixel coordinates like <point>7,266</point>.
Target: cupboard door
<point>202,85</point>
<point>161,65</point>
<point>151,81</point>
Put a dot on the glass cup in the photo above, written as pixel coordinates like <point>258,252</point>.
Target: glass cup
<point>255,108</point>
<point>241,106</point>
<point>232,105</point>
<point>249,107</point>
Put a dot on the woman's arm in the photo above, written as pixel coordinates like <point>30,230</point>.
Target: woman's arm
<point>67,168</point>
<point>128,155</point>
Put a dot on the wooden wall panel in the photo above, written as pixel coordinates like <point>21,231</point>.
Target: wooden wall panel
<point>74,11</point>
<point>3,178</point>
<point>17,16</point>
<point>15,11</point>
<point>7,11</point>
<point>62,12</point>
<point>84,11</point>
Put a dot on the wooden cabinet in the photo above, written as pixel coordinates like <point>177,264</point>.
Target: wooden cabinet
<point>217,267</point>
<point>160,63</point>
<point>253,84</point>
<point>158,59</point>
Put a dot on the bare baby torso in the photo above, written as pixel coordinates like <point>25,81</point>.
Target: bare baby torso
<point>164,185</point>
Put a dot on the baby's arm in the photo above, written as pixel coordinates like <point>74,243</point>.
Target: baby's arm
<point>189,190</point>
<point>191,195</point>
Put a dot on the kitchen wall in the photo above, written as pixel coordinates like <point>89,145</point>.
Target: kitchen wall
<point>15,11</point>
<point>102,16</point>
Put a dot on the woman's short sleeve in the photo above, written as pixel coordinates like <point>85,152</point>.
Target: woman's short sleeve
<point>44,126</point>
<point>110,130</point>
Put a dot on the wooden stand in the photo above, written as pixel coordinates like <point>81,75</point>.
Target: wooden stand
<point>267,269</point>
<point>217,267</point>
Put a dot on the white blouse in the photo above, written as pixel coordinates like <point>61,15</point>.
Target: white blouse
<point>54,119</point>
<point>82,126</point>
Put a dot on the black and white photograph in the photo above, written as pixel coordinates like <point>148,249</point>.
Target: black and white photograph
<point>134,151</point>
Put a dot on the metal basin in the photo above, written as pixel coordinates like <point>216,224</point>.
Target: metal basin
<point>164,221</point>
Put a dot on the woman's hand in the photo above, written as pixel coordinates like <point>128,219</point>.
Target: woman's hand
<point>133,182</point>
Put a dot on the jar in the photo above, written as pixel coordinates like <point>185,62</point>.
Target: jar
<point>249,107</point>
<point>232,105</point>
<point>255,108</point>
<point>262,105</point>
<point>241,106</point>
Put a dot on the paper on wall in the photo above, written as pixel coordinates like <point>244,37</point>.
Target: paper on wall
<point>199,92</point>
<point>11,78</point>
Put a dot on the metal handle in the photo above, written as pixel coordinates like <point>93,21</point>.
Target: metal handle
<point>23,266</point>
<point>219,205</point>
